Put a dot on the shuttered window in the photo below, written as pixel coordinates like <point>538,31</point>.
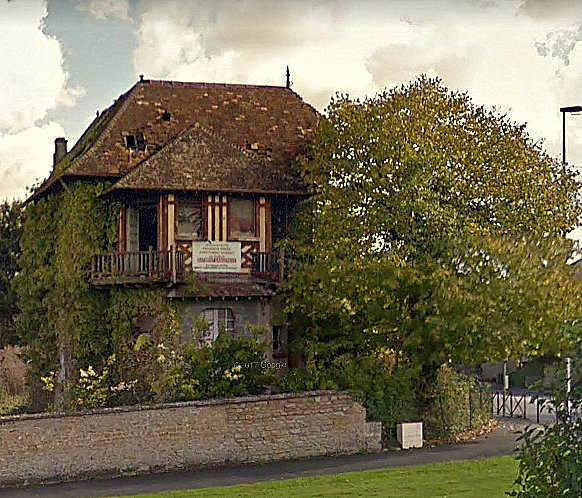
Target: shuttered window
<point>218,319</point>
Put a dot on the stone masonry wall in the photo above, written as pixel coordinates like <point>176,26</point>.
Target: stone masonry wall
<point>142,439</point>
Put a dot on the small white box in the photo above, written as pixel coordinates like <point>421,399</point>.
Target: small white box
<point>409,434</point>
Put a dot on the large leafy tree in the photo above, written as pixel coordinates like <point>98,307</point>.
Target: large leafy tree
<point>10,231</point>
<point>435,233</point>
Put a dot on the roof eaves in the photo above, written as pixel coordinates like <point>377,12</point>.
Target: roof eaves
<point>114,189</point>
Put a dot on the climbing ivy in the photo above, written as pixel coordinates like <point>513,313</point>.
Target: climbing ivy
<point>91,347</point>
<point>61,316</point>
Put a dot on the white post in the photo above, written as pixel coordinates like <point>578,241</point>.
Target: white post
<point>505,377</point>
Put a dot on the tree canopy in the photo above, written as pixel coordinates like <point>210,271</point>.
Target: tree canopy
<point>435,232</point>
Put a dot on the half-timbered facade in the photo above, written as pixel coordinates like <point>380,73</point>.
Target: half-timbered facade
<point>206,177</point>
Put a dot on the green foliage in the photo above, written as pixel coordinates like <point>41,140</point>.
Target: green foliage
<point>456,403</point>
<point>230,367</point>
<point>136,366</point>
<point>10,232</point>
<point>389,392</point>
<point>436,230</point>
<point>60,313</point>
<point>550,459</point>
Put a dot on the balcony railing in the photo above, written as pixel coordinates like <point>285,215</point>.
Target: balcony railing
<point>270,265</point>
<point>137,267</point>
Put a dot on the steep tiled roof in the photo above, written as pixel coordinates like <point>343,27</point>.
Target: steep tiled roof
<point>270,122</point>
<point>200,160</point>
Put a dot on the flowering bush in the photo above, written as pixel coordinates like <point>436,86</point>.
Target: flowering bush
<point>230,367</point>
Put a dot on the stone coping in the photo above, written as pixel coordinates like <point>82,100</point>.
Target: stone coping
<point>180,404</point>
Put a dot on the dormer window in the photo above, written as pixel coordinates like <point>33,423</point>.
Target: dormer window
<point>135,142</point>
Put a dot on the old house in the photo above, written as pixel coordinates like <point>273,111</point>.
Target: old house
<point>206,177</point>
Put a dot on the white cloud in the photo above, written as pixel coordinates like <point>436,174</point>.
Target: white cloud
<point>487,48</point>
<point>33,82</point>
<point>32,78</point>
<point>26,158</point>
<point>106,9</point>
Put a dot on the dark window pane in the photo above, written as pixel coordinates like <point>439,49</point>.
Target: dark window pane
<point>190,218</point>
<point>242,218</point>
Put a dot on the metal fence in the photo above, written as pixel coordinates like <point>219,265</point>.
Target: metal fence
<point>530,406</point>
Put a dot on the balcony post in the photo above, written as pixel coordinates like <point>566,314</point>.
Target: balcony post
<point>150,261</point>
<point>173,262</point>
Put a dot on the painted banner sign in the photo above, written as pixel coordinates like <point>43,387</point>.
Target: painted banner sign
<point>216,257</point>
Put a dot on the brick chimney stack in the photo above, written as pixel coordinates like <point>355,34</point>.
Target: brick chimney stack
<point>60,150</point>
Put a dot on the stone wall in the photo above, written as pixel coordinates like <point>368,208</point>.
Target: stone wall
<point>143,439</point>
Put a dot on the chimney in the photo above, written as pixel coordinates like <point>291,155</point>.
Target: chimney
<point>60,150</point>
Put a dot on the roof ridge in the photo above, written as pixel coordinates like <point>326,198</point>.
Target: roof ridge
<point>203,84</point>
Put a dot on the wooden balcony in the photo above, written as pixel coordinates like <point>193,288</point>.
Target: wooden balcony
<point>143,267</point>
<point>269,265</point>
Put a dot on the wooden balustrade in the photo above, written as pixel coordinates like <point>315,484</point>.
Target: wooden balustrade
<point>141,267</point>
<point>269,265</point>
<point>137,267</point>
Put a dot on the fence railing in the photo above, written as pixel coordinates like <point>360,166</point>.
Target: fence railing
<point>269,265</point>
<point>138,266</point>
<point>527,406</point>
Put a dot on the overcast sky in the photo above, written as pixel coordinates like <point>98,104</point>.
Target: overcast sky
<point>62,60</point>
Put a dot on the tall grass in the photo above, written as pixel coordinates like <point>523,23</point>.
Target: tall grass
<point>14,394</point>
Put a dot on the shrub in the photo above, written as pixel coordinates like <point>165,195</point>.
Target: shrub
<point>14,395</point>
<point>12,371</point>
<point>230,367</point>
<point>456,403</point>
<point>388,391</point>
<point>550,459</point>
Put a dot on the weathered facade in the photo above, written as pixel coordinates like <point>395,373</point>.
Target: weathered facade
<point>207,179</point>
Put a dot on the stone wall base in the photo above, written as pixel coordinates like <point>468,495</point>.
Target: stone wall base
<point>108,442</point>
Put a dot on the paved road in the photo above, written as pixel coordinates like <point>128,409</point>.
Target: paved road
<point>498,443</point>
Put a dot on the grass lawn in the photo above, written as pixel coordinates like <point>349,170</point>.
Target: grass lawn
<point>487,478</point>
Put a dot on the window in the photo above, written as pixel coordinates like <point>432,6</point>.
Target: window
<point>242,218</point>
<point>218,319</point>
<point>190,219</point>
<point>135,142</point>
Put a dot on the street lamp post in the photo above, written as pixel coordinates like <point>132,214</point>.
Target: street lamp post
<point>564,110</point>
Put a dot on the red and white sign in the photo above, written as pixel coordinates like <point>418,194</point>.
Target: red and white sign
<point>216,257</point>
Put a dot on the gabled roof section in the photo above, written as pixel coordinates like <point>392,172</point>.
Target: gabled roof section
<point>200,160</point>
<point>269,121</point>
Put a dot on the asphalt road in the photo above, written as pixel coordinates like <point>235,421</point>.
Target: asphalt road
<point>498,443</point>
